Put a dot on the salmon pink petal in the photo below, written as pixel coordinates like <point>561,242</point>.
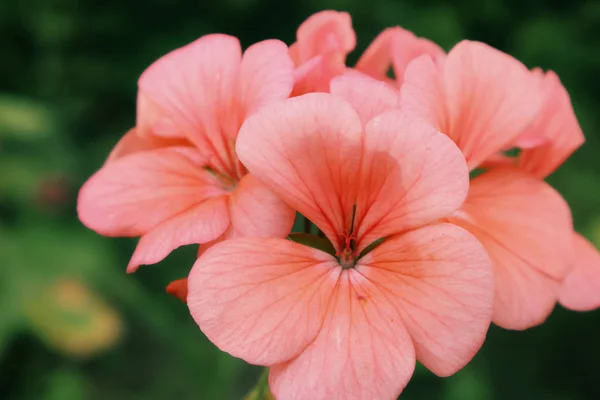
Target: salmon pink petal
<point>133,142</point>
<point>580,291</point>
<point>323,41</point>
<point>491,99</point>
<point>557,124</point>
<point>194,86</point>
<point>362,351</point>
<point>377,58</point>
<point>151,120</point>
<point>257,211</point>
<point>440,279</point>
<point>308,151</point>
<point>480,97</point>
<point>324,32</point>
<point>133,194</point>
<point>395,47</point>
<point>411,174</point>
<point>316,75</point>
<point>368,96</point>
<point>266,75</point>
<point>526,227</point>
<point>261,299</point>
<point>200,224</point>
<point>423,92</point>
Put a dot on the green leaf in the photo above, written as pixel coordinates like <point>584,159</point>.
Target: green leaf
<point>310,240</point>
<point>371,247</point>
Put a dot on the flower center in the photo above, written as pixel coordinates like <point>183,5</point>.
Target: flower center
<point>348,256</point>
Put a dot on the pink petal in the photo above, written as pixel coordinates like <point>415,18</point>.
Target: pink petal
<point>261,299</point>
<point>133,142</point>
<point>133,194</point>
<point>257,211</point>
<point>411,176</point>
<point>316,75</point>
<point>440,279</point>
<point>323,41</point>
<point>266,75</point>
<point>556,126</point>
<point>362,351</point>
<point>324,32</point>
<point>200,224</point>
<point>526,228</point>
<point>368,96</point>
<point>580,291</point>
<point>491,98</point>
<point>377,58</point>
<point>153,121</point>
<point>307,150</point>
<point>195,85</point>
<point>395,47</point>
<point>423,92</point>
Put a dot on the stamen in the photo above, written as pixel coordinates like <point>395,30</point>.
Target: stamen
<point>347,257</point>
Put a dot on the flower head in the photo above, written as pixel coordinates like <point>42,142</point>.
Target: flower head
<point>175,178</point>
<point>349,323</point>
<point>484,99</point>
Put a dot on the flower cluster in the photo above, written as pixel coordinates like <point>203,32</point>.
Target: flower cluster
<point>426,185</point>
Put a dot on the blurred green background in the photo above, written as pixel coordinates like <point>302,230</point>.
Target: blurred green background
<point>74,326</point>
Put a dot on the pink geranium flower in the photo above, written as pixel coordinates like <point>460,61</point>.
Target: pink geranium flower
<point>175,179</point>
<point>326,38</point>
<point>350,322</point>
<point>484,99</point>
<point>544,145</point>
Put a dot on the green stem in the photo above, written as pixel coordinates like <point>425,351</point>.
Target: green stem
<point>261,391</point>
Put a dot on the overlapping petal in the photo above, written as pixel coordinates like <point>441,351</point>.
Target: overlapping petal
<point>556,129</point>
<point>194,87</point>
<point>323,41</point>
<point>440,280</point>
<point>395,47</point>
<point>367,96</point>
<point>133,194</point>
<point>411,175</point>
<point>260,299</point>
<point>257,211</point>
<point>202,223</point>
<point>362,351</point>
<point>580,291</point>
<point>266,75</point>
<point>307,150</point>
<point>488,98</point>
<point>526,228</point>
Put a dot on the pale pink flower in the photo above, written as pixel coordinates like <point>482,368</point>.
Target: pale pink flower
<point>484,99</point>
<point>175,179</point>
<point>344,324</point>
